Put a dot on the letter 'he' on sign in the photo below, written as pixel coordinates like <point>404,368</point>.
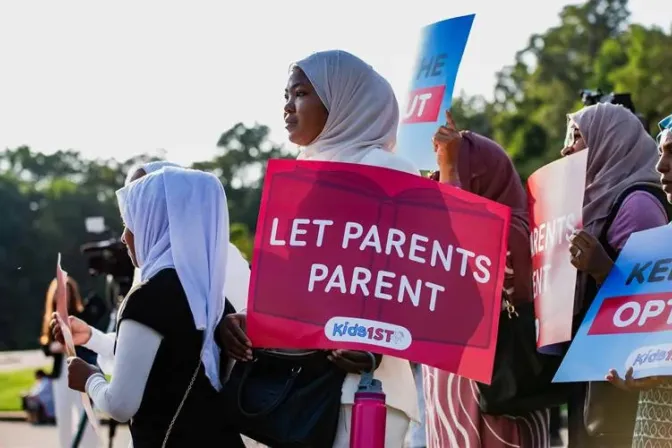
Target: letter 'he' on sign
<point>424,105</point>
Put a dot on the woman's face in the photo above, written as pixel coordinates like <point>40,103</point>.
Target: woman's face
<point>127,237</point>
<point>664,166</point>
<point>129,240</point>
<point>305,115</point>
<point>574,141</point>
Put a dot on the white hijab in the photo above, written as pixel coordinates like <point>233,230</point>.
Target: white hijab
<point>180,219</point>
<point>148,168</point>
<point>237,267</point>
<point>363,112</point>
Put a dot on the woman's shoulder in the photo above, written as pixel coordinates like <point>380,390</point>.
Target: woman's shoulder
<point>162,295</point>
<point>643,209</point>
<point>640,210</point>
<point>164,281</point>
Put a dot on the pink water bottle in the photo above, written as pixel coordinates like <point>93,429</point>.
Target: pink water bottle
<point>369,413</point>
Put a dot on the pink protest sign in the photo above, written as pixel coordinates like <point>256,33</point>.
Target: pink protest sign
<point>360,257</point>
<point>555,194</point>
<point>62,313</point>
<point>62,307</point>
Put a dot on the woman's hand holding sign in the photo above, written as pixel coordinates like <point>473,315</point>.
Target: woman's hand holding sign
<point>81,331</point>
<point>79,372</point>
<point>447,142</point>
<point>588,255</point>
<point>236,343</point>
<point>631,384</point>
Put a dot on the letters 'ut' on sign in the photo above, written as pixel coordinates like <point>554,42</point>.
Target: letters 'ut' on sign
<point>431,87</point>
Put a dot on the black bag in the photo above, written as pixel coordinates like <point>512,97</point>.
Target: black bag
<point>522,377</point>
<point>599,415</point>
<point>285,399</point>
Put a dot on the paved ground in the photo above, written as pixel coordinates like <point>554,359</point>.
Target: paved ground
<point>23,435</point>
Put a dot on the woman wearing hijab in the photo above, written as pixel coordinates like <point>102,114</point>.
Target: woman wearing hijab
<point>477,164</point>
<point>237,271</point>
<point>166,371</point>
<point>67,403</point>
<point>653,427</point>
<point>237,267</point>
<point>622,196</point>
<point>338,108</point>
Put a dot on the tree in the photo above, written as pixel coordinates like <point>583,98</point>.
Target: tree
<point>593,47</point>
<point>46,199</point>
<point>245,151</point>
<point>473,113</point>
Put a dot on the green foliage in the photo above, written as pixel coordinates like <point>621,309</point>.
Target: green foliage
<point>594,46</point>
<point>241,238</point>
<point>46,199</point>
<point>240,166</point>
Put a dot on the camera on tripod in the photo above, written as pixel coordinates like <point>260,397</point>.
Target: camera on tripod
<point>590,97</point>
<point>109,258</point>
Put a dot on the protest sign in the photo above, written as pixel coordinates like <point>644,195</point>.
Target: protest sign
<point>64,323</point>
<point>629,324</point>
<point>555,195</point>
<point>431,87</point>
<point>62,307</point>
<point>366,258</point>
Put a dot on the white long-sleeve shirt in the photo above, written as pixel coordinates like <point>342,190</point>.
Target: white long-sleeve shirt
<point>136,350</point>
<point>103,345</point>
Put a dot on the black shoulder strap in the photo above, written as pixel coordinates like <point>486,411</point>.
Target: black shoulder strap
<point>654,190</point>
<point>228,307</point>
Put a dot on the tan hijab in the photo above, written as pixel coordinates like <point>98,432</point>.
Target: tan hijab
<point>363,111</point>
<point>620,154</point>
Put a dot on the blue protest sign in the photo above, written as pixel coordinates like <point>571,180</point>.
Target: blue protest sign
<point>630,322</point>
<point>431,88</point>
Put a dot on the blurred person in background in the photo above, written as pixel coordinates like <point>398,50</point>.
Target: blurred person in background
<point>622,196</point>
<point>68,403</point>
<point>479,165</point>
<point>338,108</point>
<point>39,402</point>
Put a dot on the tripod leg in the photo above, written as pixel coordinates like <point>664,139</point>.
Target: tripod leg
<point>113,430</point>
<point>80,430</point>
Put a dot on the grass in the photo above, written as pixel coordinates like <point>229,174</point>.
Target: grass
<point>12,385</point>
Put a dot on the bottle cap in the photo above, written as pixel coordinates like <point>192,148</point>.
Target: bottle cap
<point>367,383</point>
